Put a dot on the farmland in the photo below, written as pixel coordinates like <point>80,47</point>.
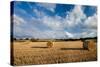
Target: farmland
<point>28,52</point>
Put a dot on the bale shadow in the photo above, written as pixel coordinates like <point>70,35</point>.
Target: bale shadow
<point>38,47</point>
<point>72,49</point>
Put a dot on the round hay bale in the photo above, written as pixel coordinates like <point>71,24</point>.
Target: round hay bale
<point>49,44</point>
<point>91,44</point>
<point>85,45</point>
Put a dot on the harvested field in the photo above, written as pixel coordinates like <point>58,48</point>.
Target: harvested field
<point>28,52</point>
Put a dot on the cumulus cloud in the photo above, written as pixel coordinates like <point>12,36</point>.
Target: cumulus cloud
<point>89,33</point>
<point>75,17</point>
<point>91,22</point>
<point>70,35</point>
<point>18,20</point>
<point>53,22</point>
<point>56,26</point>
<point>48,6</point>
<point>38,13</point>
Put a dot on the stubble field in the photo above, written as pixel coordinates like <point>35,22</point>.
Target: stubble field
<point>28,52</point>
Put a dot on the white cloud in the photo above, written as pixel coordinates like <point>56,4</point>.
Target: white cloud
<point>75,17</point>
<point>19,26</point>
<point>49,6</point>
<point>91,22</point>
<point>70,35</point>
<point>90,33</point>
<point>90,27</point>
<point>53,22</point>
<point>48,34</point>
<point>39,13</point>
<point>18,20</point>
<point>58,24</point>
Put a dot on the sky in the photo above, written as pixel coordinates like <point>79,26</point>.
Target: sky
<point>53,21</point>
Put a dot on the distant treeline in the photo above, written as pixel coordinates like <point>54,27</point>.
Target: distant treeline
<point>45,40</point>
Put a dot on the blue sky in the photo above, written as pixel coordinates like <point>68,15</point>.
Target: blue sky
<point>53,21</point>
